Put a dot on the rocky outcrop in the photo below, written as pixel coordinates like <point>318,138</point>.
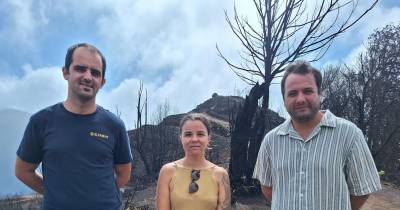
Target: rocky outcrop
<point>154,145</point>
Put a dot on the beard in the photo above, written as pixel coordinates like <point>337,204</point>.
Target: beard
<point>83,94</point>
<point>299,116</point>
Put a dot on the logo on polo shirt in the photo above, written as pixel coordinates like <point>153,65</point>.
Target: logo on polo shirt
<point>100,135</point>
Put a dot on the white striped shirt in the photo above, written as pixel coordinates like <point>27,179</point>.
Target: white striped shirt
<point>321,172</point>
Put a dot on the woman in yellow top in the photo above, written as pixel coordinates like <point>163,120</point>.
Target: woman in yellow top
<point>193,183</point>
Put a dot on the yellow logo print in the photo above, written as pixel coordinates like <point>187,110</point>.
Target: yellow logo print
<point>103,136</point>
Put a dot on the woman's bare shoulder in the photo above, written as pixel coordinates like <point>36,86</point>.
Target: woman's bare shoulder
<point>168,169</point>
<point>219,169</point>
<point>220,172</point>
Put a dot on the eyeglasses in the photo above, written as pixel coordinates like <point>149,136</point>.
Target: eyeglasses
<point>193,186</point>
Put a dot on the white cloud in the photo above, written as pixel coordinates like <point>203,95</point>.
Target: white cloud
<point>372,23</point>
<point>39,88</point>
<point>122,100</point>
<point>27,19</point>
<point>188,86</point>
<point>161,34</point>
<point>350,44</point>
<point>36,89</point>
<point>176,39</point>
<point>378,18</point>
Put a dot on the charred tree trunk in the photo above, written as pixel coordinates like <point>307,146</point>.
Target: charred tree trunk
<point>141,151</point>
<point>255,142</point>
<point>257,133</point>
<point>242,136</point>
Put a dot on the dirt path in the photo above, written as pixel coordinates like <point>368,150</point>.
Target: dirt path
<point>387,199</point>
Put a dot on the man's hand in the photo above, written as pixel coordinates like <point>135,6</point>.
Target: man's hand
<point>358,201</point>
<point>123,172</point>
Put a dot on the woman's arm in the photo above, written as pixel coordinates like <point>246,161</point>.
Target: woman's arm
<point>162,193</point>
<point>224,189</point>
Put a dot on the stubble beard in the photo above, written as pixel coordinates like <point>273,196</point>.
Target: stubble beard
<point>83,95</point>
<point>303,118</point>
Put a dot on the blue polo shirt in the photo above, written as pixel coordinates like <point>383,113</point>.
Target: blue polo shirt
<point>78,154</point>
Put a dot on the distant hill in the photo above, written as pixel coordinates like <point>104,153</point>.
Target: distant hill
<point>12,126</point>
<point>160,143</point>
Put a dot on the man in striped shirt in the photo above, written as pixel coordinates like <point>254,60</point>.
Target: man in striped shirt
<point>314,160</point>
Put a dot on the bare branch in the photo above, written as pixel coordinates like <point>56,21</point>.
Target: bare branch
<point>286,31</point>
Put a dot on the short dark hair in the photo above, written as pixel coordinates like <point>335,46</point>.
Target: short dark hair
<point>302,68</point>
<point>195,116</point>
<point>70,53</point>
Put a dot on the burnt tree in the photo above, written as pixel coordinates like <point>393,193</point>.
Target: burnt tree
<point>371,92</point>
<point>141,131</point>
<point>286,30</point>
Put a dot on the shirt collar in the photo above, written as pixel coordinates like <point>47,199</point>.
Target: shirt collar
<point>328,120</point>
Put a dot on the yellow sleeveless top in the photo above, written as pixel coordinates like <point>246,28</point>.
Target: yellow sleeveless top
<point>205,198</point>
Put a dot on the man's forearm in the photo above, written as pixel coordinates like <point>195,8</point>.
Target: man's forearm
<point>121,180</point>
<point>26,172</point>
<point>33,179</point>
<point>123,174</point>
<point>358,201</point>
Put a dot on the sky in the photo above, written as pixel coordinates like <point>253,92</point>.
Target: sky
<point>169,45</point>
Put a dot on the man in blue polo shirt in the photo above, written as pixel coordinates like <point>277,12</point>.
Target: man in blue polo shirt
<point>84,148</point>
